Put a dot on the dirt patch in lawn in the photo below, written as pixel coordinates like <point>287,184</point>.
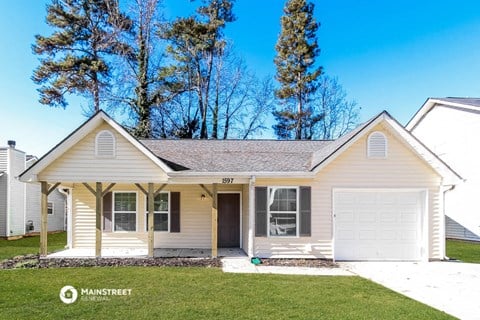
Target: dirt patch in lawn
<point>34,262</point>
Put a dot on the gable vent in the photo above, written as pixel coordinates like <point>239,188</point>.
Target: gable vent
<point>105,144</point>
<point>377,145</point>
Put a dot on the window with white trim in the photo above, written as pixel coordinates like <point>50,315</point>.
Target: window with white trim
<point>377,145</point>
<point>125,211</point>
<point>161,216</point>
<point>283,211</point>
<point>50,208</point>
<point>105,144</point>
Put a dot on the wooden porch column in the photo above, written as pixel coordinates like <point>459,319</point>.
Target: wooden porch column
<point>151,209</point>
<point>44,218</point>
<point>214,221</point>
<point>98,219</point>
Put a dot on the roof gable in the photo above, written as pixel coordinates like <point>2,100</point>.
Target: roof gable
<point>430,103</point>
<point>323,158</point>
<point>79,134</point>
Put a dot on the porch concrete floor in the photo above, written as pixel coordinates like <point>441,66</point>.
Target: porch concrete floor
<point>142,253</point>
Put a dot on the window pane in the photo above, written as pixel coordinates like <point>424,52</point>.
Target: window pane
<point>160,222</point>
<point>50,208</point>
<point>284,199</point>
<point>283,224</point>
<point>161,202</point>
<point>125,201</point>
<point>125,221</point>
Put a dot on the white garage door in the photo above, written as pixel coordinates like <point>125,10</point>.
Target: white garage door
<point>378,224</point>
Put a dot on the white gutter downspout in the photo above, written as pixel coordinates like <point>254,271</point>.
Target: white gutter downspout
<point>251,216</point>
<point>444,190</point>
<point>68,214</point>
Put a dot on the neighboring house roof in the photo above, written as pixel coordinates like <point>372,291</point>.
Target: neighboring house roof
<point>244,157</point>
<point>430,103</point>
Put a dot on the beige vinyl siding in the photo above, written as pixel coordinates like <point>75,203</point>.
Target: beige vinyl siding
<point>352,169</point>
<point>195,219</point>
<point>3,192</point>
<point>79,163</point>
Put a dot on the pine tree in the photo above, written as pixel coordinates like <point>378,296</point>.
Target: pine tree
<point>297,48</point>
<point>74,58</point>
<point>194,44</point>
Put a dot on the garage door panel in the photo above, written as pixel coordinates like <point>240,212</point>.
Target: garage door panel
<point>346,234</point>
<point>377,225</point>
<point>367,216</point>
<point>367,235</point>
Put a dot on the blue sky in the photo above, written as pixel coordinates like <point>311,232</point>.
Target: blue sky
<point>389,55</point>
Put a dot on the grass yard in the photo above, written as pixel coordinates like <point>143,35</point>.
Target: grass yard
<point>29,245</point>
<point>201,293</point>
<point>465,251</point>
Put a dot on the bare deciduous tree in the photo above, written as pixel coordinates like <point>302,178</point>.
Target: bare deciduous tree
<point>339,114</point>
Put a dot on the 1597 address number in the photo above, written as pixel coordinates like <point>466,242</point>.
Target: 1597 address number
<point>227,180</point>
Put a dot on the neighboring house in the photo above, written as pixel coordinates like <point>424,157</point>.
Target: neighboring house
<point>20,203</point>
<point>450,127</point>
<point>373,194</point>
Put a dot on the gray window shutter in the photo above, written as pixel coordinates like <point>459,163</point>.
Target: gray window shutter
<point>260,211</point>
<point>107,212</point>
<point>305,211</point>
<point>174,211</point>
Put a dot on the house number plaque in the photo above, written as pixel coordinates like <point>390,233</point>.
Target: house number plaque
<point>227,180</point>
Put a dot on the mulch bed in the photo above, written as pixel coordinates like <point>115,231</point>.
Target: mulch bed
<point>310,263</point>
<point>33,261</point>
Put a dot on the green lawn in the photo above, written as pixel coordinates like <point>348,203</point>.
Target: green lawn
<point>465,251</point>
<point>201,293</point>
<point>27,245</point>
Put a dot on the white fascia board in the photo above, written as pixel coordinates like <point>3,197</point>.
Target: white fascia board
<point>429,105</point>
<point>136,143</point>
<point>266,174</point>
<point>30,175</point>
<point>239,177</point>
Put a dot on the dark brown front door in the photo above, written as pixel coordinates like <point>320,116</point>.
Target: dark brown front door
<point>228,220</point>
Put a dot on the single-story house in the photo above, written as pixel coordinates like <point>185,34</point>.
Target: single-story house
<point>450,127</point>
<point>374,194</point>
<point>20,203</point>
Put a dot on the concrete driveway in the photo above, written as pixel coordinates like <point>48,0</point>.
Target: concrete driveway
<point>452,287</point>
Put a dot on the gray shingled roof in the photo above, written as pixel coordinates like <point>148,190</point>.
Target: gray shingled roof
<point>475,102</point>
<point>236,155</point>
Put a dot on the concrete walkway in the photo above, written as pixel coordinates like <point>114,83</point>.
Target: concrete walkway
<point>243,265</point>
<point>452,287</point>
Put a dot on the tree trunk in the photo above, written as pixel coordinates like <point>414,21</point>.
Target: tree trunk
<point>144,128</point>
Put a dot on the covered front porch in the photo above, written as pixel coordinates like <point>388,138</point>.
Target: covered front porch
<point>143,253</point>
<point>174,219</point>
